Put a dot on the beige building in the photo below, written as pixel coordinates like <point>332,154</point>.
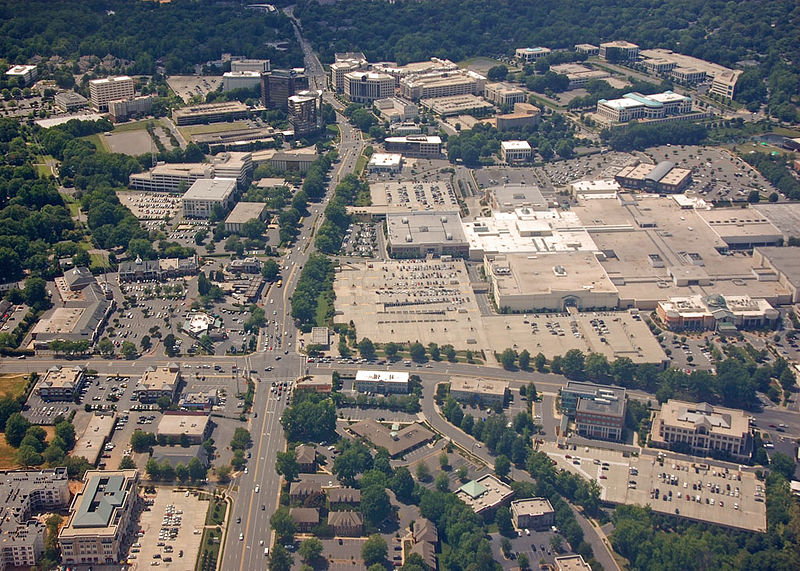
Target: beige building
<point>532,513</point>
<point>170,177</point>
<point>442,84</point>
<point>516,151</point>
<point>366,87</point>
<point>293,160</point>
<point>100,518</point>
<point>205,194</point>
<point>472,390</point>
<point>646,107</point>
<point>26,73</point>
<point>572,563</point>
<point>394,109</point>
<point>504,94</point>
<point>528,55</point>
<point>626,50</point>
<point>159,382</point>
<point>60,384</point>
<point>305,112</point>
<point>210,113</point>
<point>485,494</point>
<point>242,213</point>
<point>124,109</point>
<point>348,62</point>
<point>196,426</point>
<point>101,91</point>
<point>724,84</point>
<point>26,494</point>
<point>702,429</point>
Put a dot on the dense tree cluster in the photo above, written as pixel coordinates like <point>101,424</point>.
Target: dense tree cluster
<point>350,191</point>
<point>639,136</point>
<point>776,171</point>
<point>718,31</point>
<point>315,286</point>
<point>310,418</point>
<point>182,33</point>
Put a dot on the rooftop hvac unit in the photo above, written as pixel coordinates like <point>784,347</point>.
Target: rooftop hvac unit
<point>409,238</point>
<point>444,219</point>
<point>448,236</point>
<point>405,220</point>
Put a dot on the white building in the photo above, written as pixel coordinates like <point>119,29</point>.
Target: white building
<point>101,91</point>
<point>528,55</point>
<point>366,87</point>
<point>625,50</point>
<point>395,109</point>
<point>240,80</point>
<point>27,73</point>
<point>515,151</point>
<point>204,194</point>
<point>504,94</point>
<point>385,162</point>
<point>442,84</point>
<point>637,106</point>
<point>256,65</point>
<point>384,382</point>
<point>123,109</point>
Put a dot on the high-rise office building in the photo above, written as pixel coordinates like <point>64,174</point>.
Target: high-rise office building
<point>280,84</point>
<point>305,112</point>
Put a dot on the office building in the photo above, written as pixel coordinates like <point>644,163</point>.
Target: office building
<point>524,115</point>
<point>572,563</point>
<point>688,75</point>
<point>25,73</point>
<point>465,104</point>
<point>682,67</point>
<point>588,49</point>
<point>157,270</point>
<point>280,84</point>
<point>157,382</point>
<point>478,391</point>
<point>233,164</point>
<point>383,382</point>
<point>299,161</point>
<point>101,91</point>
<point>385,163</point>
<point>100,518</point>
<point>306,457</point>
<point>515,151</point>
<point>240,80</point>
<point>702,429</point>
<point>170,177</point>
<point>205,194</point>
<point>644,107</point>
<point>124,109</point>
<point>725,313</point>
<point>421,146</point>
<point>242,213</point>
<point>724,84</point>
<point>69,101</point>
<point>396,442</point>
<point>199,400</point>
<point>210,113</point>
<point>247,266</point>
<point>504,94</point>
<point>367,86</point>
<point>257,65</point>
<point>418,234</point>
<point>528,55</point>
<point>598,410</point>
<point>395,109</point>
<point>341,67</point>
<point>433,65</point>
<point>25,494</point>
<point>61,384</point>
<point>532,513</point>
<point>90,444</point>
<point>485,494</point>
<point>663,177</point>
<point>442,84</point>
<point>619,51</point>
<point>194,427</point>
<point>578,75</point>
<point>305,112</point>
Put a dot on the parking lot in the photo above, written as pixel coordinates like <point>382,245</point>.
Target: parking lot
<point>536,547</point>
<point>172,531</point>
<point>151,205</point>
<point>187,86</point>
<point>703,490</point>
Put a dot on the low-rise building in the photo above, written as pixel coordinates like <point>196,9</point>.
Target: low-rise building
<point>441,84</point>
<point>702,429</point>
<point>485,494</point>
<point>242,213</point>
<point>346,523</point>
<point>317,383</point>
<point>716,312</point>
<point>306,457</point>
<point>210,113</point>
<point>157,270</point>
<point>724,84</point>
<point>320,336</point>
<point>572,563</point>
<point>510,196</point>
<point>61,384</point>
<point>247,266</point>
<point>195,427</point>
<point>24,494</point>
<point>397,442</point>
<point>124,109</point>
<point>344,497</point>
<point>385,163</point>
<point>244,79</point>
<point>257,65</point>
<point>504,93</point>
<point>157,382</point>
<point>601,415</point>
<point>368,86</point>
<point>299,491</point>
<point>476,390</point>
<point>528,55</point>
<point>383,382</point>
<point>424,538</point>
<point>619,50</point>
<point>418,234</point>
<point>199,400</point>
<point>100,518</point>
<point>69,101</point>
<point>204,194</point>
<point>578,75</point>
<point>574,391</point>
<point>588,49</point>
<point>516,151</point>
<point>395,109</point>
<point>292,161</point>
<point>421,146</point>
<point>25,73</point>
<point>305,519</point>
<point>90,444</point>
<point>180,455</point>
<point>659,106</point>
<point>663,177</point>
<point>464,104</point>
<point>532,513</point>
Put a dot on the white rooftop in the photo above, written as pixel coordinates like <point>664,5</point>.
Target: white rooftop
<point>210,189</point>
<point>516,145</point>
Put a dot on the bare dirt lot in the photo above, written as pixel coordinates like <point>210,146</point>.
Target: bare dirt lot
<point>130,142</point>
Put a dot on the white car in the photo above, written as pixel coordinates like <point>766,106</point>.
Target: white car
<point>241,537</point>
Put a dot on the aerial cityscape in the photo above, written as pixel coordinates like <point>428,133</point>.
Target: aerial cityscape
<point>367,285</point>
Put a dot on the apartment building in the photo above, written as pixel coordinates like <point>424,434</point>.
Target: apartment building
<point>702,429</point>
<point>101,518</point>
<point>23,494</point>
<point>60,384</point>
<point>305,112</point>
<point>367,86</point>
<point>205,194</point>
<point>114,88</point>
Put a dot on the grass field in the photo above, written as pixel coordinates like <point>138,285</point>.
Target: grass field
<point>12,385</point>
<point>136,126</point>
<point>211,128</point>
<point>98,141</point>
<point>361,163</point>
<point>7,452</point>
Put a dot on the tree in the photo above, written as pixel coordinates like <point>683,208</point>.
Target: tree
<point>539,362</point>
<point>223,473</point>
<point>286,465</point>
<point>197,472</point>
<point>127,463</point>
<point>402,484</point>
<point>502,466</point>
<point>783,464</point>
<point>270,270</point>
<point>128,350</point>
<point>142,441</point>
<point>391,349</point>
<point>374,550</point>
<point>417,351</point>
<point>181,472</point>
<point>16,427</point>
<point>28,456</point>
<point>310,550</point>
<point>375,504</point>
<point>203,284</point>
<point>163,402</point>
<point>283,525</point>
<point>462,473</point>
<point>146,343</point>
<point>444,460</point>
<point>572,363</point>
<point>508,358</point>
<point>434,352</point>
<point>423,473</point>
<point>524,562</point>
<point>754,197</point>
<point>253,229</point>
<point>66,431</point>
<point>106,347</point>
<point>503,520</point>
<point>441,482</point>
<point>35,293</point>
<point>449,352</point>
<point>524,360</point>
<point>366,348</point>
<point>153,469</point>
<point>280,559</point>
<point>497,73</point>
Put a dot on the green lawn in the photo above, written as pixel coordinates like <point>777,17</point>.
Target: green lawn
<point>136,126</point>
<point>43,170</point>
<point>321,317</point>
<point>361,163</point>
<point>98,140</point>
<point>98,260</point>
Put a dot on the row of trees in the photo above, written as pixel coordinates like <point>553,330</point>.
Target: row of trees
<point>776,170</point>
<point>639,136</point>
<point>315,286</point>
<point>349,192</point>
